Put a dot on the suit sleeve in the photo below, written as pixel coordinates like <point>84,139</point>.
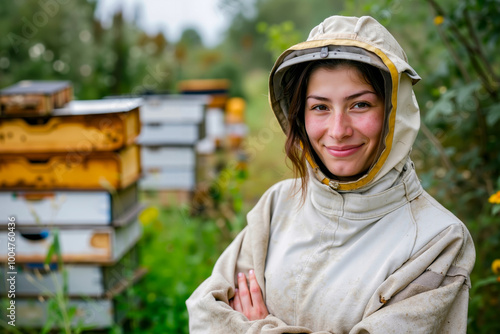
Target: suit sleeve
<point>430,293</point>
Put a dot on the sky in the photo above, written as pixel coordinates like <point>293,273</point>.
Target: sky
<point>171,16</point>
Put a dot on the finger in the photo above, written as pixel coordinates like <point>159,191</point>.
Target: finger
<point>237,302</point>
<point>255,291</point>
<point>231,303</point>
<point>246,301</point>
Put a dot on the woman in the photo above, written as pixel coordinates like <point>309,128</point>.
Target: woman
<point>355,245</point>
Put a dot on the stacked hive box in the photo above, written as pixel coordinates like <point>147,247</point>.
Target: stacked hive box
<point>172,125</point>
<point>226,128</point>
<point>217,91</point>
<point>69,169</point>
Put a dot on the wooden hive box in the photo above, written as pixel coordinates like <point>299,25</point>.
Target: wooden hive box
<point>81,126</point>
<point>34,97</point>
<point>73,170</point>
<point>217,89</point>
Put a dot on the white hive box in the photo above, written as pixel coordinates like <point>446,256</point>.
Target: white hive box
<point>169,134</point>
<point>63,208</point>
<point>89,280</point>
<point>167,179</point>
<point>104,245</point>
<point>174,109</point>
<point>172,120</point>
<point>168,157</point>
<point>168,168</point>
<point>215,125</point>
<point>90,313</point>
<point>172,125</point>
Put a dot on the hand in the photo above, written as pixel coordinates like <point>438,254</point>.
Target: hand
<point>249,302</point>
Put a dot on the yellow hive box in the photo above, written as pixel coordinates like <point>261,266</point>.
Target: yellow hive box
<point>73,170</point>
<point>35,97</point>
<point>197,85</point>
<point>235,110</point>
<point>95,125</point>
<point>216,88</point>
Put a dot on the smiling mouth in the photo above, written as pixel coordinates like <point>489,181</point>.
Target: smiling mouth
<point>344,151</point>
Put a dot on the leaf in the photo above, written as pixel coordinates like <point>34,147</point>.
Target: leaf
<point>465,96</point>
<point>57,248</point>
<point>50,253</point>
<point>65,281</point>
<point>71,312</point>
<point>493,114</point>
<point>48,325</point>
<point>484,282</point>
<point>495,210</point>
<point>443,106</point>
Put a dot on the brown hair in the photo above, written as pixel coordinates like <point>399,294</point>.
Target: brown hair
<point>295,82</point>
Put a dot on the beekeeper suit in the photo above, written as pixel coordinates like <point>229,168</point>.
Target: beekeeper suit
<point>373,255</point>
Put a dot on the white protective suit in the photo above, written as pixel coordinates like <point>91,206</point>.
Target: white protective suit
<point>375,255</point>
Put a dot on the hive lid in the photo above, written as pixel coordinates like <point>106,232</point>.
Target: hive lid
<point>35,87</point>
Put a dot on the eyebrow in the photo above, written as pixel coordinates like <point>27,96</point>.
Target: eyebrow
<point>347,98</point>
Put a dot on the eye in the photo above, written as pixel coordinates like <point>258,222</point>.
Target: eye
<point>319,107</point>
<point>360,105</point>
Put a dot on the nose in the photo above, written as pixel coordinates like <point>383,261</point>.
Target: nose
<point>340,126</point>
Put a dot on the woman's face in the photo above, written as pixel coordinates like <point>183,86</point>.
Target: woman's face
<point>344,118</point>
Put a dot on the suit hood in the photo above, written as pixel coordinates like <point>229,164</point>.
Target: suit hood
<point>359,39</point>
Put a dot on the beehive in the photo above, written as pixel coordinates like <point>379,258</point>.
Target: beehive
<point>34,97</point>
<point>69,177</point>
<point>96,125</point>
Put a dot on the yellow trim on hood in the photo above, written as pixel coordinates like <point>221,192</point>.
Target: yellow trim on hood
<point>346,186</point>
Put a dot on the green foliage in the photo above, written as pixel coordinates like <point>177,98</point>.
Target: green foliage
<point>226,70</point>
<point>61,40</point>
<point>245,37</point>
<point>461,137</point>
<point>279,36</point>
